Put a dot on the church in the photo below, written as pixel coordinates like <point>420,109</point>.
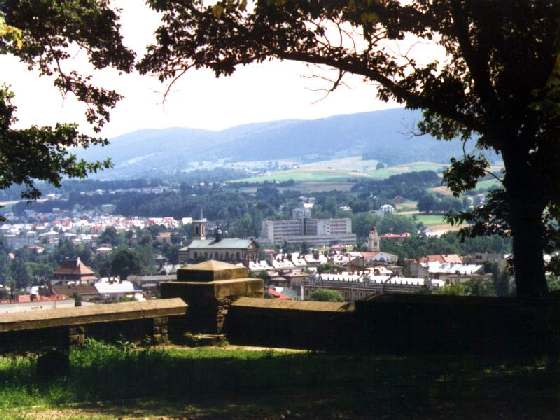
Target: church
<point>231,250</point>
<point>374,255</point>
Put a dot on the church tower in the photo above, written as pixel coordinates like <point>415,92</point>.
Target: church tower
<point>373,240</point>
<point>199,227</point>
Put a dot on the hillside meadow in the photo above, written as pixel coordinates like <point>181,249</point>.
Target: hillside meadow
<point>343,169</point>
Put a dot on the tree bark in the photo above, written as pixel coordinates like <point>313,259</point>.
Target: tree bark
<point>527,204</point>
<point>528,243</point>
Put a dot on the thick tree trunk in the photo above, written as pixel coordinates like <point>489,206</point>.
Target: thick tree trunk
<point>528,244</point>
<point>526,202</point>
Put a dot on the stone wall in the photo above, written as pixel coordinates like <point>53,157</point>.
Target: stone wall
<point>291,324</point>
<point>401,324</point>
<point>140,322</point>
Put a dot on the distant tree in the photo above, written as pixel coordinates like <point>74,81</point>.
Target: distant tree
<point>124,263</point>
<point>379,166</point>
<point>21,274</point>
<point>326,295</point>
<point>473,86</point>
<point>102,265</point>
<point>427,203</point>
<point>327,268</point>
<point>109,236</point>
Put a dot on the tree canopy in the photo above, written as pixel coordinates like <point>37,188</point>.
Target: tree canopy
<point>493,77</point>
<point>43,34</point>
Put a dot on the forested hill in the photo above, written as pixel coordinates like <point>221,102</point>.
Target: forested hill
<point>382,135</point>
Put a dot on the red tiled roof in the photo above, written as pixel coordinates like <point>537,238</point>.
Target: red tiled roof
<point>73,267</point>
<point>442,258</point>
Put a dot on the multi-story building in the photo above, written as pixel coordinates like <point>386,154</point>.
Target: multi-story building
<point>232,250</point>
<point>304,229</point>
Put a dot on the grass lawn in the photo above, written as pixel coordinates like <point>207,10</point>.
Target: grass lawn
<point>211,383</point>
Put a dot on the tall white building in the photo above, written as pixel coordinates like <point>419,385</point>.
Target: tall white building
<point>303,229</point>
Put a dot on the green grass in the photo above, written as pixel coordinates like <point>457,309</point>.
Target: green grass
<point>486,184</point>
<point>115,381</point>
<point>430,219</point>
<point>405,168</point>
<point>340,170</point>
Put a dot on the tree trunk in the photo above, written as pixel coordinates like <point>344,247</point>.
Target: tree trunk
<point>526,202</point>
<point>528,243</point>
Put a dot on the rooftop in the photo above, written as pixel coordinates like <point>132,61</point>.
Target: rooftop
<point>211,270</point>
<point>73,267</point>
<point>224,243</point>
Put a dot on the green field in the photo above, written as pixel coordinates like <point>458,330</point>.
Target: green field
<point>487,183</point>
<point>431,219</point>
<point>340,170</point>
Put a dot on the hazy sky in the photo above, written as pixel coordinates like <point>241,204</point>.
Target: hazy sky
<point>259,92</point>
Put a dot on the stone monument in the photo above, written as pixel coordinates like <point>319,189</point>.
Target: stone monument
<point>209,288</point>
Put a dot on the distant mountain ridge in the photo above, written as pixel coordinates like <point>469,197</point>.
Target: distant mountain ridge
<point>385,135</point>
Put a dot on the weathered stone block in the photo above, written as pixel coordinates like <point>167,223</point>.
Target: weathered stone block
<point>211,271</point>
<point>209,301</point>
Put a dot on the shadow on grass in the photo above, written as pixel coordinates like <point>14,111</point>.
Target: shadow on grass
<point>220,383</point>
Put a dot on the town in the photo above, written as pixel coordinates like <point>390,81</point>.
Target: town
<point>298,258</point>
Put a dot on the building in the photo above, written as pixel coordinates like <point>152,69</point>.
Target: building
<point>111,289</point>
<point>231,250</point>
<point>373,244</point>
<point>86,292</point>
<point>73,271</point>
<point>362,284</point>
<point>442,259</point>
<point>302,228</point>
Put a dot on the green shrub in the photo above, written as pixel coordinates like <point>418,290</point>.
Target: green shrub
<point>326,295</point>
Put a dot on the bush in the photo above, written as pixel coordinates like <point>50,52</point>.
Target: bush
<point>326,295</point>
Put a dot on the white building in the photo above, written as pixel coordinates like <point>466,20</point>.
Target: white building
<point>303,229</point>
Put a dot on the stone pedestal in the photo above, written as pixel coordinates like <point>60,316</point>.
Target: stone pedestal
<point>209,288</point>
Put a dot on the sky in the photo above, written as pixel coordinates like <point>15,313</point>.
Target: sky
<point>254,93</point>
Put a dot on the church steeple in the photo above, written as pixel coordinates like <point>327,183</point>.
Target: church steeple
<point>199,227</point>
<point>373,243</point>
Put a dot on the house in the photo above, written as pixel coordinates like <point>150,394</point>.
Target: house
<point>73,271</point>
<point>114,289</point>
<point>441,258</point>
<point>85,291</point>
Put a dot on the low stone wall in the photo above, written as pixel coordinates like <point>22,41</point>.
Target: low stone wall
<point>292,324</point>
<point>439,324</point>
<point>59,328</point>
<point>401,324</point>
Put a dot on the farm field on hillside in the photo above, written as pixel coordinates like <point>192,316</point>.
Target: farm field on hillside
<point>342,169</point>
<point>430,219</point>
